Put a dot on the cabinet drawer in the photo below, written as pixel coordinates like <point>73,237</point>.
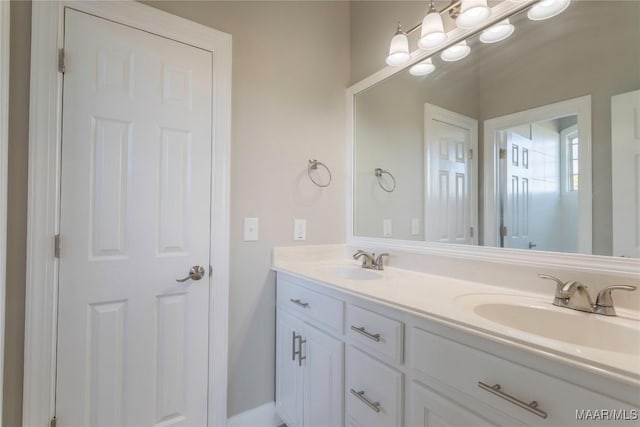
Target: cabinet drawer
<point>376,333</point>
<point>319,307</point>
<point>429,407</point>
<point>465,368</point>
<point>374,391</point>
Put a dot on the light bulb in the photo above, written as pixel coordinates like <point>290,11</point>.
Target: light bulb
<point>497,33</point>
<point>455,52</point>
<point>432,33</point>
<point>472,13</point>
<point>399,49</point>
<point>422,68</point>
<point>547,9</point>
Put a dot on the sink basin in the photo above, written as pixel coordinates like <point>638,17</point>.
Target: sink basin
<point>353,273</point>
<point>541,318</point>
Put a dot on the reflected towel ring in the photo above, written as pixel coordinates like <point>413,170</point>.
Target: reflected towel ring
<point>313,165</point>
<point>379,173</point>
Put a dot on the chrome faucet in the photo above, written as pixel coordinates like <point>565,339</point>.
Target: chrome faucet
<point>370,261</point>
<point>574,295</point>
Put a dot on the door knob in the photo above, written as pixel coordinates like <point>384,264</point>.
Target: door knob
<point>196,273</point>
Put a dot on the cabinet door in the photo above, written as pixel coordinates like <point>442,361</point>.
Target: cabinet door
<point>323,379</point>
<point>432,409</point>
<point>289,375</point>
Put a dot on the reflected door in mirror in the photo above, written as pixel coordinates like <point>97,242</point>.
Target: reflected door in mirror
<point>450,141</point>
<point>625,157</point>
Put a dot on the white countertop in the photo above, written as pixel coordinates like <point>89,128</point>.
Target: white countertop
<point>450,301</point>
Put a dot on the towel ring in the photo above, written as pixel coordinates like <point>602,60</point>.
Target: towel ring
<point>379,172</point>
<point>313,165</point>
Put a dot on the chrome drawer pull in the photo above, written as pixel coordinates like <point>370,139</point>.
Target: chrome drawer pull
<point>531,407</point>
<point>369,335</point>
<point>300,303</point>
<point>300,356</point>
<point>360,395</point>
<point>293,345</point>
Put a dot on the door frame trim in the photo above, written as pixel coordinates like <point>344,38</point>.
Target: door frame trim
<point>45,112</point>
<point>5,22</point>
<point>581,107</point>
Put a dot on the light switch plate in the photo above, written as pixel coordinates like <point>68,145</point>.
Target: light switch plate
<point>386,228</point>
<point>415,226</point>
<point>300,229</point>
<point>250,229</point>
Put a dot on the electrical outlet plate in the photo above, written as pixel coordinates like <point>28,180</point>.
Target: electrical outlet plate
<point>386,228</point>
<point>300,229</point>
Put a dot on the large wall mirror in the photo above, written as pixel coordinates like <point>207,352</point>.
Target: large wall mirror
<point>530,143</point>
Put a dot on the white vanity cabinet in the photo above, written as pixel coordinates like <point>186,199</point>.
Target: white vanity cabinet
<point>309,361</point>
<point>343,359</point>
<point>502,386</point>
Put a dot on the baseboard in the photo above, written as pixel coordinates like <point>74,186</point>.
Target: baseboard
<point>262,416</point>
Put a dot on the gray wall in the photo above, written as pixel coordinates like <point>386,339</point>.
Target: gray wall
<point>389,128</point>
<point>290,71</point>
<point>542,63</point>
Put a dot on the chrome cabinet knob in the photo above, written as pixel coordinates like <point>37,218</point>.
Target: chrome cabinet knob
<point>196,273</point>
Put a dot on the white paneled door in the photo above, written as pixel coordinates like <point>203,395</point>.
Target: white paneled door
<point>450,205</point>
<point>517,181</point>
<point>135,216</point>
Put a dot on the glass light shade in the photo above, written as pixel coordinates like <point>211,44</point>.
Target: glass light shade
<point>455,52</point>
<point>422,68</point>
<point>497,33</point>
<point>399,50</point>
<point>432,31</point>
<point>472,13</point>
<point>547,9</point>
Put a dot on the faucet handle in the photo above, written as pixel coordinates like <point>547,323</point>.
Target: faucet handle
<point>560,293</point>
<point>358,253</point>
<point>378,260</point>
<point>604,297</point>
<point>367,259</point>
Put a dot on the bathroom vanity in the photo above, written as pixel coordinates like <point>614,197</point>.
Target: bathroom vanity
<point>368,348</point>
<point>477,176</point>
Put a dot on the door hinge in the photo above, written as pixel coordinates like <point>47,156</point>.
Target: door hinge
<point>503,231</point>
<point>53,422</point>
<point>56,246</point>
<point>470,154</point>
<point>471,231</point>
<point>61,61</point>
<point>503,153</point>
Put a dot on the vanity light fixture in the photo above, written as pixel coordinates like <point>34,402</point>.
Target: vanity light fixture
<point>456,52</point>
<point>467,14</point>
<point>472,13</point>
<point>422,68</point>
<point>432,29</point>
<point>547,9</point>
<point>501,31</point>
<point>399,49</point>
